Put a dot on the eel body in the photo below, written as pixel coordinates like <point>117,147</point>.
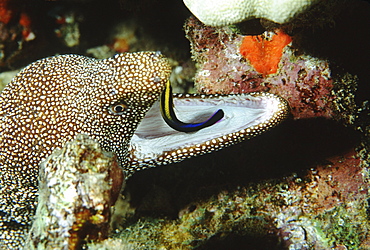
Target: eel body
<point>51,101</point>
<point>114,101</point>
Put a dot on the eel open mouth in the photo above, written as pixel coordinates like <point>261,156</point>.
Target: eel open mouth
<point>245,116</point>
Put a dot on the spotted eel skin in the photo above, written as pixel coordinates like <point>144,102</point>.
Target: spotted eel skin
<point>54,99</point>
<point>115,102</point>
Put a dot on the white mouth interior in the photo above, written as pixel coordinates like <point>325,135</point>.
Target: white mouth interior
<point>154,136</point>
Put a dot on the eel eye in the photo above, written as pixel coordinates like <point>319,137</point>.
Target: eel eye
<point>117,109</point>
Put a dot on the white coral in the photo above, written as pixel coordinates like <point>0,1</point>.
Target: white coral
<point>225,12</point>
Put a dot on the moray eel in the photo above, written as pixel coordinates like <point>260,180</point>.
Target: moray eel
<point>115,101</point>
<point>51,101</point>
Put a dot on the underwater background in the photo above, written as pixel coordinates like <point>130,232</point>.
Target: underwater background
<point>302,185</point>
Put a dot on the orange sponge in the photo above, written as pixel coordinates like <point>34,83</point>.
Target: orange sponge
<point>5,12</point>
<point>264,55</point>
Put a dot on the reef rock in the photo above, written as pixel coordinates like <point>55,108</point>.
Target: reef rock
<point>79,185</point>
<point>230,63</point>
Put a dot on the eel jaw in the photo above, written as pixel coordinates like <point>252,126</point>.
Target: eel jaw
<point>246,116</point>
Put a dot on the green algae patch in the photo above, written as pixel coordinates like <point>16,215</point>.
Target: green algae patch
<point>345,225</point>
<point>210,221</point>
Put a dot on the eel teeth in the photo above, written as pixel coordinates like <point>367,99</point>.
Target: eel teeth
<point>245,116</point>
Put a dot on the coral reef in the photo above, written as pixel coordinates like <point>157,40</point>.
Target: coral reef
<point>25,22</point>
<point>15,29</point>
<point>304,81</point>
<point>325,209</point>
<point>33,31</point>
<point>110,244</point>
<point>79,206</point>
<point>328,207</point>
<point>330,210</point>
<point>220,13</point>
<point>5,11</point>
<point>68,30</point>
